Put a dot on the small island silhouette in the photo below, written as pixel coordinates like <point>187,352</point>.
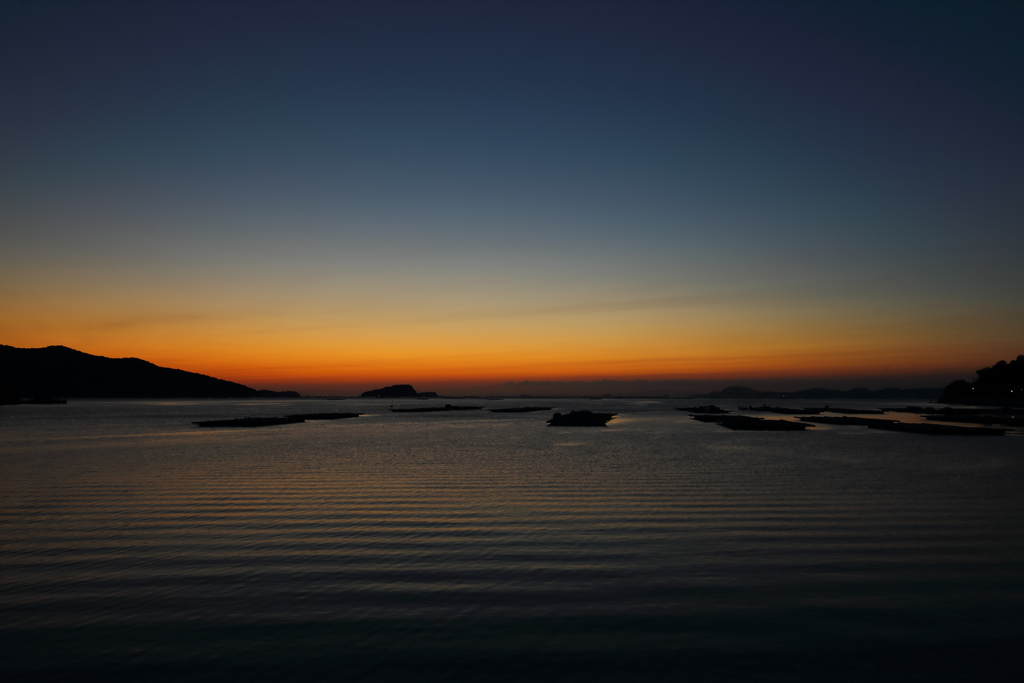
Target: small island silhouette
<point>911,427</point>
<point>272,421</point>
<point>783,410</point>
<point>710,410</point>
<point>398,391</point>
<point>447,407</point>
<point>250,422</point>
<point>749,423</point>
<point>580,418</point>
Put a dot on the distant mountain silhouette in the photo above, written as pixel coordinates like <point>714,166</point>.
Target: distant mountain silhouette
<point>267,393</point>
<point>398,391</point>
<point>64,372</point>
<point>819,394</point>
<point>1001,384</point>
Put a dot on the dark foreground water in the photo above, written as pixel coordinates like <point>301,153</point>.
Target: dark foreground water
<point>485,547</point>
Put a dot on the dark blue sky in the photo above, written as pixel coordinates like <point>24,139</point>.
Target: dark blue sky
<point>860,155</point>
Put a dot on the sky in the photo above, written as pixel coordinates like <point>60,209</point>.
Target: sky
<point>332,197</point>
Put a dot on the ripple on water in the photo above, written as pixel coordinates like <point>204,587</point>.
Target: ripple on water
<point>467,548</point>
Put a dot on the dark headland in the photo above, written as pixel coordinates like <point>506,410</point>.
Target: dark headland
<point>64,372</point>
<point>999,385</point>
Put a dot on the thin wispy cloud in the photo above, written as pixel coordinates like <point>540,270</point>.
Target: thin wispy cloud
<point>589,307</point>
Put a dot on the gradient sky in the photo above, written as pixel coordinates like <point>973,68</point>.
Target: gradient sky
<point>335,196</point>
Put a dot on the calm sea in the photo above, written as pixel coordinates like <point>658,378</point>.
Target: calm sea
<point>475,546</point>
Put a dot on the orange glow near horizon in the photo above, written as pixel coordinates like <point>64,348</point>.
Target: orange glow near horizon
<point>687,346</point>
<point>341,335</point>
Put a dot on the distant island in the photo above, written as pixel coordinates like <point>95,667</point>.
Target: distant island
<point>398,391</point>
<point>580,418</point>
<point>57,371</point>
<point>820,394</point>
<point>999,385</point>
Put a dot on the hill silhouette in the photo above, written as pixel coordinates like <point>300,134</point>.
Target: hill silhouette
<point>60,371</point>
<point>820,394</point>
<point>1000,384</point>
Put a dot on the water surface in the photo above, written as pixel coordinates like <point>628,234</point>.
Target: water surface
<point>475,546</point>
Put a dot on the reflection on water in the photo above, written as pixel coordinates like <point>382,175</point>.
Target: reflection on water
<point>475,546</point>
